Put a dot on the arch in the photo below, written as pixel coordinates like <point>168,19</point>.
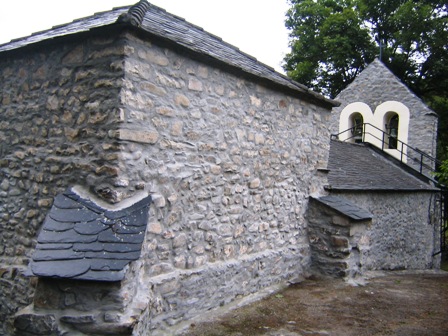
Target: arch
<point>386,110</point>
<point>396,112</point>
<point>346,119</point>
<point>391,122</point>
<point>382,116</point>
<point>356,123</point>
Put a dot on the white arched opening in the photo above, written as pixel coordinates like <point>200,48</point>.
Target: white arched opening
<point>351,119</point>
<point>393,118</point>
<point>387,128</point>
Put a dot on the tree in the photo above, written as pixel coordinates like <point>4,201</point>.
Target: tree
<point>330,44</point>
<point>333,40</point>
<point>442,174</point>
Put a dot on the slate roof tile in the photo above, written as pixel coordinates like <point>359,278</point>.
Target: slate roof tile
<point>64,254</point>
<point>90,228</point>
<point>63,202</point>
<point>345,207</point>
<point>106,247</point>
<point>62,246</point>
<point>60,268</point>
<point>54,225</point>
<point>157,21</point>
<point>113,237</point>
<point>67,215</point>
<point>88,247</point>
<point>103,275</point>
<point>133,255</point>
<point>81,240</point>
<point>69,236</point>
<point>360,167</point>
<point>108,265</point>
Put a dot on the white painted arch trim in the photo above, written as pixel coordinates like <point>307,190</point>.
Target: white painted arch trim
<point>379,120</point>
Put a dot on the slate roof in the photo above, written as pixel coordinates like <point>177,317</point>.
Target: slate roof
<point>345,207</point>
<point>81,240</point>
<point>157,21</point>
<point>360,167</point>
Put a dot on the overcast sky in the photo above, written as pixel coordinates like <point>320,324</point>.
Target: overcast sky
<point>255,26</point>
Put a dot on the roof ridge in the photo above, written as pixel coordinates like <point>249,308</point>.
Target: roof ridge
<point>135,14</point>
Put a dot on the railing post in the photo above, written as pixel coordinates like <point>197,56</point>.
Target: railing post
<point>382,142</point>
<point>402,144</point>
<point>364,132</point>
<point>421,163</point>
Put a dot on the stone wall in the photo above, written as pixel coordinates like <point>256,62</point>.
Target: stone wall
<point>57,106</point>
<point>229,163</point>
<point>404,233</point>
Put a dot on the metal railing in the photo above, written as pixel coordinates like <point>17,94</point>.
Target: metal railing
<point>412,156</point>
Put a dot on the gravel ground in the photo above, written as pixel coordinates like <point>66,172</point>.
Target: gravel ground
<point>400,303</point>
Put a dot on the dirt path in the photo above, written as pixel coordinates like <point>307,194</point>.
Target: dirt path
<point>394,303</point>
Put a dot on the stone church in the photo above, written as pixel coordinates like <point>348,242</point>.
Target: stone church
<point>151,172</point>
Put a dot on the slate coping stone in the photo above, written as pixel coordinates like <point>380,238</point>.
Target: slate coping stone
<point>81,240</point>
<point>345,207</point>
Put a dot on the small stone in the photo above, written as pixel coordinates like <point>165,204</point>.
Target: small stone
<point>176,128</point>
<point>172,199</point>
<point>340,221</point>
<point>339,242</point>
<point>166,111</point>
<point>182,100</point>
<point>4,185</point>
<point>20,155</point>
<point>83,319</point>
<point>155,227</point>
<point>158,200</point>
<point>111,318</point>
<point>215,169</point>
<point>53,103</point>
<point>259,139</point>
<point>195,85</point>
<point>149,137</point>
<point>69,299</point>
<point>180,240</point>
<point>180,262</point>
<point>255,183</point>
<point>45,202</point>
<point>255,101</point>
<point>36,324</point>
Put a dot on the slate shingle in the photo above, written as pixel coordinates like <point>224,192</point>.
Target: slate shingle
<point>69,236</point>
<point>91,228</point>
<point>54,225</point>
<point>109,236</point>
<point>108,264</point>
<point>345,207</point>
<point>360,167</point>
<point>60,268</point>
<point>81,240</point>
<point>103,275</point>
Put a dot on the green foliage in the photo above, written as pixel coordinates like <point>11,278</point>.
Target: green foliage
<point>332,41</point>
<point>442,174</point>
<point>329,46</point>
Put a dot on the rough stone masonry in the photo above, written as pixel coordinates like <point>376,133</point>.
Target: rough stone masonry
<point>229,163</point>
